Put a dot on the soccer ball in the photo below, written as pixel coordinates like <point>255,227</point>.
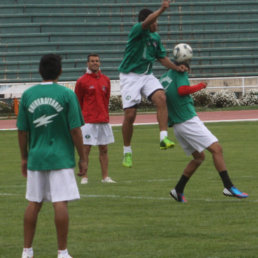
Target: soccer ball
<point>182,52</point>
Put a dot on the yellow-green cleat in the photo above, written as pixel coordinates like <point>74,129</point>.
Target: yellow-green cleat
<point>127,160</point>
<point>166,144</point>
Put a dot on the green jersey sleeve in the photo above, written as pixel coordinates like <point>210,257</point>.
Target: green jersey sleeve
<point>136,31</point>
<point>22,121</point>
<point>75,117</point>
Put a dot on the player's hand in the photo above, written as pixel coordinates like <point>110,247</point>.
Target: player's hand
<point>24,167</point>
<point>83,166</point>
<point>182,68</point>
<point>165,4</point>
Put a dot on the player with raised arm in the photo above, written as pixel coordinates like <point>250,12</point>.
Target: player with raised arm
<point>143,48</point>
<point>191,133</point>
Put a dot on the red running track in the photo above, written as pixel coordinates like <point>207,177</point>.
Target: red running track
<point>213,116</point>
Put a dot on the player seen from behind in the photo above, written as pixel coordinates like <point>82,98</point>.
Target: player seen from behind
<point>48,123</point>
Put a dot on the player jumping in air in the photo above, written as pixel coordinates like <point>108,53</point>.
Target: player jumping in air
<point>143,48</point>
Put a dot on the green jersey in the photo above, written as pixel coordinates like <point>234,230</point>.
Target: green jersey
<point>48,112</point>
<point>142,49</point>
<point>180,108</point>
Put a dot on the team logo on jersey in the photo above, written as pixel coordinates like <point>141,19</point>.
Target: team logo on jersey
<point>45,101</point>
<point>128,97</point>
<point>104,88</point>
<point>91,87</point>
<point>87,136</point>
<point>43,120</point>
<point>165,81</point>
<point>154,44</point>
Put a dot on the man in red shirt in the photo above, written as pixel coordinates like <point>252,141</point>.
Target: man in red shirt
<point>93,92</point>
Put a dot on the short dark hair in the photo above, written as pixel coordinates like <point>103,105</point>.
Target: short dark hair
<point>50,66</point>
<point>143,14</point>
<point>185,63</point>
<point>92,54</point>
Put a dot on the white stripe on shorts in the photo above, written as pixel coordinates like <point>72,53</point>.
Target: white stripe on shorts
<point>54,186</point>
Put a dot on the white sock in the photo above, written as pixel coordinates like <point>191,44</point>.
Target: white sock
<point>163,134</point>
<point>28,251</point>
<point>63,252</point>
<point>127,149</point>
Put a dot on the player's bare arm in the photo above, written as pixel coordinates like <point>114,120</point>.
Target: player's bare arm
<point>78,143</point>
<point>170,65</point>
<point>23,141</point>
<point>153,17</point>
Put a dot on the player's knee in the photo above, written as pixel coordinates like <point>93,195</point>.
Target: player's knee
<point>216,148</point>
<point>219,149</point>
<point>129,116</point>
<point>103,150</point>
<point>159,98</point>
<point>199,160</point>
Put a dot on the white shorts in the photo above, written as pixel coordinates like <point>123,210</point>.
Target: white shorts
<point>97,134</point>
<point>133,86</point>
<point>193,135</point>
<point>53,186</point>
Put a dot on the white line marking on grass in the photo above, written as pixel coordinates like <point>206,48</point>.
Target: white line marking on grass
<point>114,196</point>
<point>8,194</point>
<point>123,197</point>
<point>161,198</point>
<point>12,186</point>
<point>148,180</point>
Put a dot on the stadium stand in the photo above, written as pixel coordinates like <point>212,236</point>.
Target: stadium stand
<point>223,34</point>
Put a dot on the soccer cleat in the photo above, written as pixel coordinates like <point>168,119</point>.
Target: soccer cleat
<point>26,255</point>
<point>127,160</point>
<point>178,196</point>
<point>166,144</point>
<point>108,180</point>
<point>64,256</point>
<point>84,181</point>
<point>234,192</point>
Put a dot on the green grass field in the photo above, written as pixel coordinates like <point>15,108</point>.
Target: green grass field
<point>136,217</point>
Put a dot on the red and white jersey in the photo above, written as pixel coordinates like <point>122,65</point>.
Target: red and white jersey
<point>93,92</point>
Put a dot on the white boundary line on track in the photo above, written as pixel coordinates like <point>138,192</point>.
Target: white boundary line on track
<point>208,121</point>
<point>10,129</point>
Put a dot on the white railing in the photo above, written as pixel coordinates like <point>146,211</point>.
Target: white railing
<point>236,84</point>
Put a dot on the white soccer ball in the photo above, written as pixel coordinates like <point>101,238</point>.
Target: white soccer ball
<point>182,52</point>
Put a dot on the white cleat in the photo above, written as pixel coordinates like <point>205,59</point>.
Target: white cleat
<point>84,181</point>
<point>108,180</point>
